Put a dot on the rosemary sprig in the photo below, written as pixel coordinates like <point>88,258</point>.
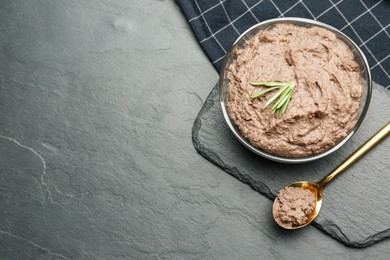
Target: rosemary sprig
<point>258,94</point>
<point>286,90</point>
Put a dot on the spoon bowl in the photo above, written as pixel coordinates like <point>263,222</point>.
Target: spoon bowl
<point>317,188</point>
<point>313,187</point>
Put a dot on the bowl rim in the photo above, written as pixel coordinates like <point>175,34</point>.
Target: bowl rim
<point>293,160</point>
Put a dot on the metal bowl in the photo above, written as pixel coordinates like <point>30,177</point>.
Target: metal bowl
<point>358,57</point>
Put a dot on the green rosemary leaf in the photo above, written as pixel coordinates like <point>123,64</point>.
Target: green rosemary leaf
<point>282,98</point>
<point>284,107</point>
<point>275,106</point>
<point>275,96</point>
<point>268,84</point>
<point>273,110</point>
<point>258,94</point>
<point>285,98</point>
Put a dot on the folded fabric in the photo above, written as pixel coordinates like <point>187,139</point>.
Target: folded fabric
<point>217,24</point>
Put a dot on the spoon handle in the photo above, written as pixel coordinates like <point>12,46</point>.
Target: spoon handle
<point>367,146</point>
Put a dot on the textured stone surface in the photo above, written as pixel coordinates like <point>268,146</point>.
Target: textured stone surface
<point>353,211</point>
<point>97,102</point>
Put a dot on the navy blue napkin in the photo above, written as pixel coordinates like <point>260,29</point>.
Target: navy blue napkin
<point>218,23</point>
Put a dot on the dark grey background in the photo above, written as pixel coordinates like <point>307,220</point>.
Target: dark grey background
<point>97,101</point>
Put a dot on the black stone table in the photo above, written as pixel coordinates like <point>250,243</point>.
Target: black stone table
<point>97,101</point>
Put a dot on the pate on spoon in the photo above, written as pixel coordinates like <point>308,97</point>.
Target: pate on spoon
<point>299,203</point>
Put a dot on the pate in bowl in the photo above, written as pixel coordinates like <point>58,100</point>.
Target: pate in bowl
<point>294,90</point>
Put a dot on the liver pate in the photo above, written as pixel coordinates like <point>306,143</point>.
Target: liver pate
<point>326,98</point>
<point>293,206</point>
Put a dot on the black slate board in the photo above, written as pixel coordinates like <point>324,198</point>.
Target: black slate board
<point>355,209</point>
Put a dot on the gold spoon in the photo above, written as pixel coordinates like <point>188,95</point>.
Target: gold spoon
<point>318,187</point>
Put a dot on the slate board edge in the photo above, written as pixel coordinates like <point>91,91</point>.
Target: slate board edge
<point>328,228</point>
